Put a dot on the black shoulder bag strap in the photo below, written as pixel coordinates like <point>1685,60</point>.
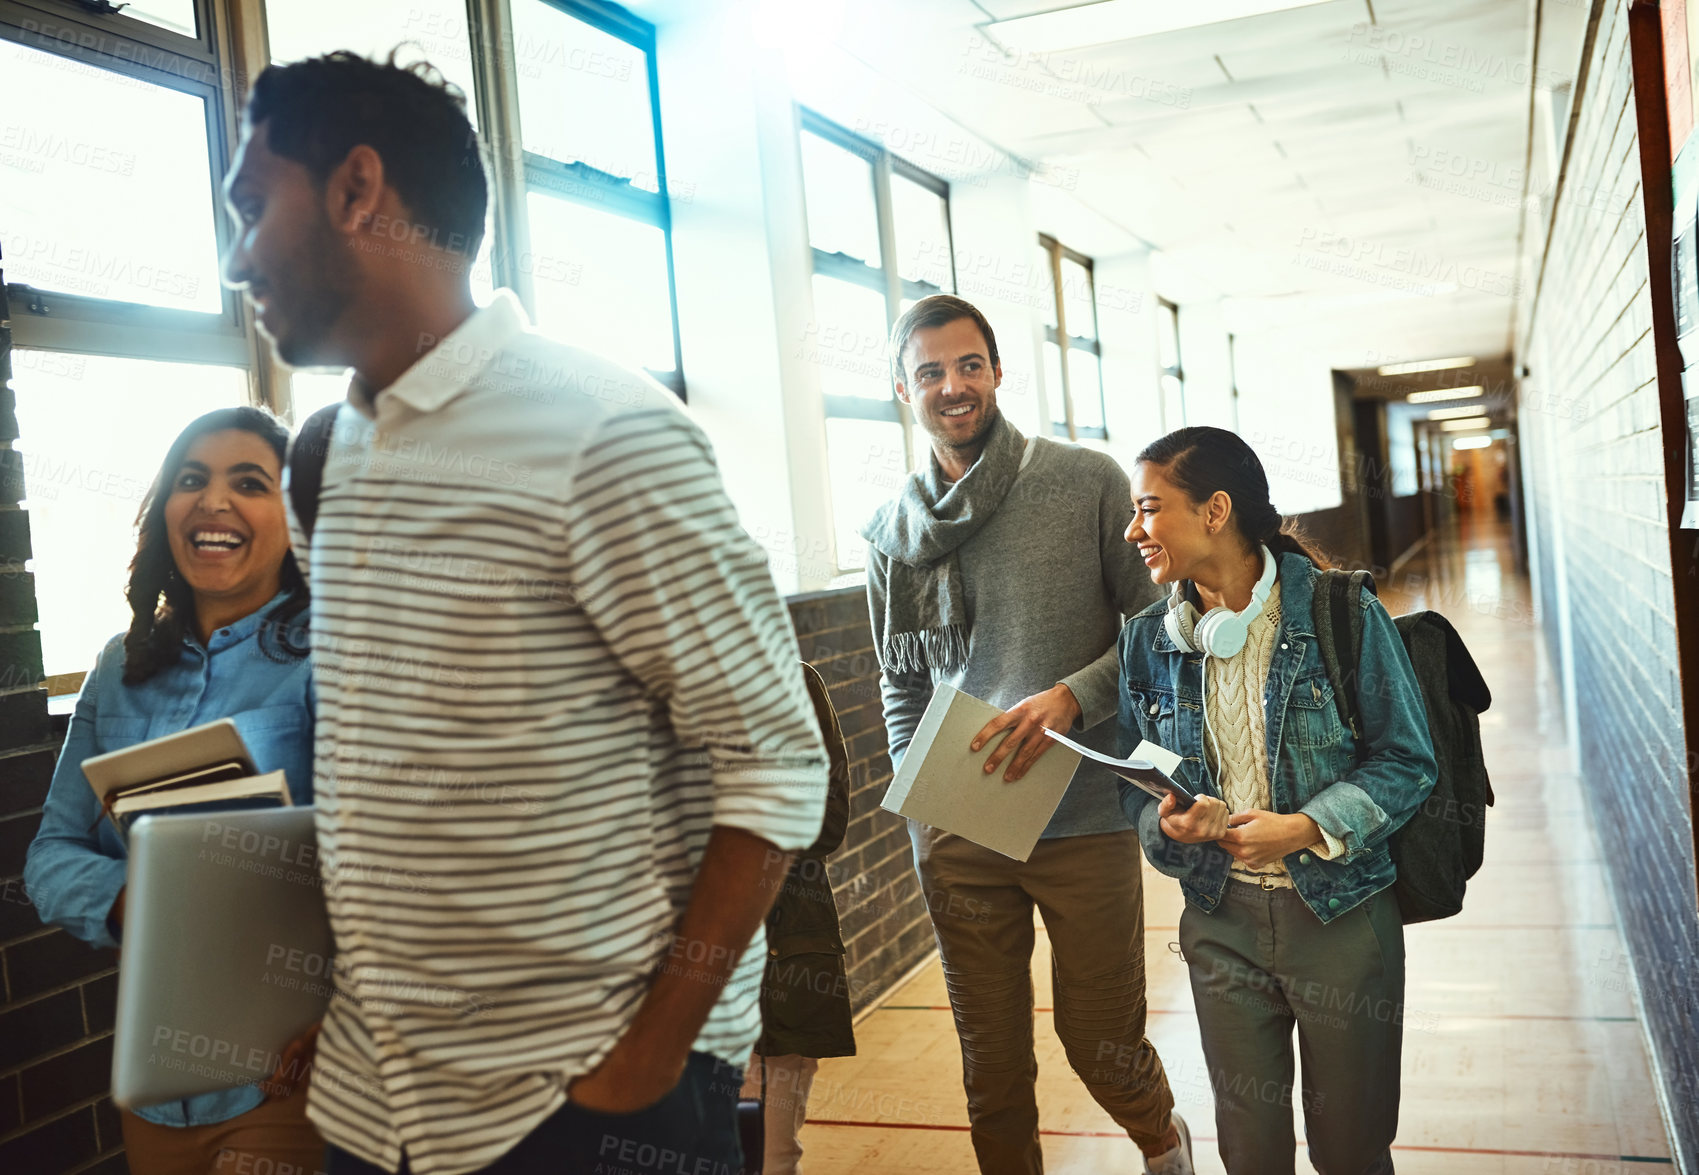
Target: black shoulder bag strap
<point>306,466</point>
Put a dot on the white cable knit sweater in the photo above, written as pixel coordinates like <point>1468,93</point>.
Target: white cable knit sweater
<point>1238,726</point>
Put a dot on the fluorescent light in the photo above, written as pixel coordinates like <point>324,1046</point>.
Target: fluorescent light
<point>1474,422</point>
<point>1471,442</point>
<point>1455,413</point>
<point>1108,21</point>
<point>1427,365</point>
<point>1445,394</point>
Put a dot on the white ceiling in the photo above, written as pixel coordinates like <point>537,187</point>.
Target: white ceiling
<point>1277,161</point>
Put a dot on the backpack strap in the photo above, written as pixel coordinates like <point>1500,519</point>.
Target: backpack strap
<point>305,476</point>
<point>1339,632</point>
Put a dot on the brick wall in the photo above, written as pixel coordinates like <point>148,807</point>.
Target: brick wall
<point>1590,419</point>
<point>885,924</point>
<point>58,995</point>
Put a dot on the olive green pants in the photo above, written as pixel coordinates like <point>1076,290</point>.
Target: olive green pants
<point>1090,893</point>
<point>1262,964</point>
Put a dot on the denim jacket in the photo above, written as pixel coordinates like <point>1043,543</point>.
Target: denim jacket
<point>1314,762</point>
<point>76,864</point>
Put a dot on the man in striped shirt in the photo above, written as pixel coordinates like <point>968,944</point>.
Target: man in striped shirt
<point>563,746</point>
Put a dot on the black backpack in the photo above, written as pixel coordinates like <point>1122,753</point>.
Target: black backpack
<point>1439,849</point>
<point>305,475</point>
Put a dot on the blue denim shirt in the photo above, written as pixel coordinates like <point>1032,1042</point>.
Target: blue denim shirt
<point>76,862</point>
<point>1314,762</point>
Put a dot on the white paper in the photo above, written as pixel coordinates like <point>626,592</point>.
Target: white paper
<point>1151,768</point>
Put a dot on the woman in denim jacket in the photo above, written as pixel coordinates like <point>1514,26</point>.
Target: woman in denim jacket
<point>1283,860</point>
<point>219,630</point>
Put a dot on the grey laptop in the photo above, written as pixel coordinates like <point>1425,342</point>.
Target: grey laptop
<point>226,951</point>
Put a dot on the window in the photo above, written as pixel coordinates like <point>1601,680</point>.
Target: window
<point>595,218</point>
<point>94,430</point>
<point>1073,357</point>
<point>879,232</point>
<point>113,224</point>
<point>109,185</point>
<point>1168,359</point>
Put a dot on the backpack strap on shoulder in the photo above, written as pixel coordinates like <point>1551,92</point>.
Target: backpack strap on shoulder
<point>1339,632</point>
<point>305,473</point>
<point>1348,616</point>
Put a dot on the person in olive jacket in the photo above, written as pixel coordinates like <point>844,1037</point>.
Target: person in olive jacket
<point>805,995</point>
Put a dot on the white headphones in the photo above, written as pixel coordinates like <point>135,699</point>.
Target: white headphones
<point>1220,632</point>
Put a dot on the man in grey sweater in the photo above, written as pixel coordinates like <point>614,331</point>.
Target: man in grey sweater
<point>1002,569</point>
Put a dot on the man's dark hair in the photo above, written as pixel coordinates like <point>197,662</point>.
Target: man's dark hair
<point>318,110</point>
<point>938,310</point>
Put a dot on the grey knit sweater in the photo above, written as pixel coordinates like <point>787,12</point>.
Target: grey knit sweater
<point>1048,580</point>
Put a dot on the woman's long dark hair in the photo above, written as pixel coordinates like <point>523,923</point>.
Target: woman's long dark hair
<point>162,605</point>
<point>1201,460</point>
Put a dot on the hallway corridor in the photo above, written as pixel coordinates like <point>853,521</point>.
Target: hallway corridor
<point>1523,1050</point>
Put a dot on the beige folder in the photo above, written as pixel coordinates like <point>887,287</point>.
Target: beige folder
<point>944,784</point>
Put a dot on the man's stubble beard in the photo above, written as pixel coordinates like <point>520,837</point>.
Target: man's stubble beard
<point>974,444</point>
<point>329,279</point>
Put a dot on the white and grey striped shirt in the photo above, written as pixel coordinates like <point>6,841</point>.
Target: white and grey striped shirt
<point>548,660</point>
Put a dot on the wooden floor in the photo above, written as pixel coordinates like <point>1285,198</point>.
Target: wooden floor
<point>1523,1052</point>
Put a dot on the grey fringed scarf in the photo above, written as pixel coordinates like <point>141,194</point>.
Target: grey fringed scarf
<point>919,606</point>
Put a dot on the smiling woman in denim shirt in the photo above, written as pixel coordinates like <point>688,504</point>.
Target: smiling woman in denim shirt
<point>1289,921</point>
<point>219,631</point>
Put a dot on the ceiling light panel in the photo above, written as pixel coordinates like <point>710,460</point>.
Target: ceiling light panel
<point>1473,424</point>
<point>1456,413</point>
<point>1434,394</point>
<point>1427,365</point>
<point>1108,21</point>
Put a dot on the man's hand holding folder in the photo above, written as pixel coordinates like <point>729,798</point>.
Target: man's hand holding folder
<point>1054,709</point>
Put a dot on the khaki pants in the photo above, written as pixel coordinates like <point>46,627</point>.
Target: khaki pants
<point>1261,965</point>
<point>788,1078</point>
<point>1089,891</point>
<point>273,1138</point>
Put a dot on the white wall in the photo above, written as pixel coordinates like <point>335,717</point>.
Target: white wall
<point>740,251</point>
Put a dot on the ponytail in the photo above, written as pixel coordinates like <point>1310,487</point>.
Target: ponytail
<point>1202,461</point>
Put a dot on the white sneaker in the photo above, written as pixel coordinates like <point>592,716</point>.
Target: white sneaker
<point>1177,1161</point>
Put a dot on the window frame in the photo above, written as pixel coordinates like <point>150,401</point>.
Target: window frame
<point>44,319</point>
<point>876,275</point>
<point>1058,335</point>
<point>568,181</point>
